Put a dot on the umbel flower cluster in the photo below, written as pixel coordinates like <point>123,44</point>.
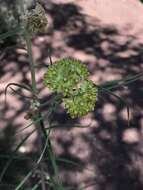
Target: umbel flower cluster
<point>70,77</point>
<point>35,20</point>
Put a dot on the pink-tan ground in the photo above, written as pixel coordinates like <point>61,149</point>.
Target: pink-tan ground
<point>107,35</point>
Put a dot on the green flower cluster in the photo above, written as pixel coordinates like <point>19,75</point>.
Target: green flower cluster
<point>64,75</point>
<point>69,77</point>
<point>82,100</point>
<point>36,20</point>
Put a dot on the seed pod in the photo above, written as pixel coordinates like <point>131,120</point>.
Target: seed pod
<point>35,20</point>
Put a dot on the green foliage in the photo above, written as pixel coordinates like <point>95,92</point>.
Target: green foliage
<point>10,33</point>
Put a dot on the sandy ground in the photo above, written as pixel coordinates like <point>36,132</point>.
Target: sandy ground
<point>107,35</point>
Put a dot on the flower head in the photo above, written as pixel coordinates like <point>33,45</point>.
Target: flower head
<point>70,78</point>
<point>82,100</point>
<point>36,20</point>
<point>64,75</point>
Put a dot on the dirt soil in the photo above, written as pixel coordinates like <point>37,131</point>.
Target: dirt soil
<point>107,35</point>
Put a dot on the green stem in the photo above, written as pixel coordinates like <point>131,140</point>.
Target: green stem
<point>41,123</point>
<point>51,155</point>
<point>34,95</point>
<point>42,129</point>
<point>31,61</point>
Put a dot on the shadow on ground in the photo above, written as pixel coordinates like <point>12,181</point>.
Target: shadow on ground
<point>110,148</point>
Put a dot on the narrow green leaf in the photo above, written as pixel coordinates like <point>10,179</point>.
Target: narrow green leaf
<point>35,186</point>
<point>17,85</point>
<point>121,100</point>
<point>33,169</point>
<point>73,163</point>
<point>24,180</point>
<point>10,33</point>
<point>6,156</point>
<point>12,156</point>
<point>46,114</point>
<point>122,82</point>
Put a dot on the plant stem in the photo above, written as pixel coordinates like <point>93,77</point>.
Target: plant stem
<point>35,109</point>
<point>41,130</point>
<point>31,61</point>
<point>35,100</point>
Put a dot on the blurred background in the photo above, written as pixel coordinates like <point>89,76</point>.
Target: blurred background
<point>107,35</point>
